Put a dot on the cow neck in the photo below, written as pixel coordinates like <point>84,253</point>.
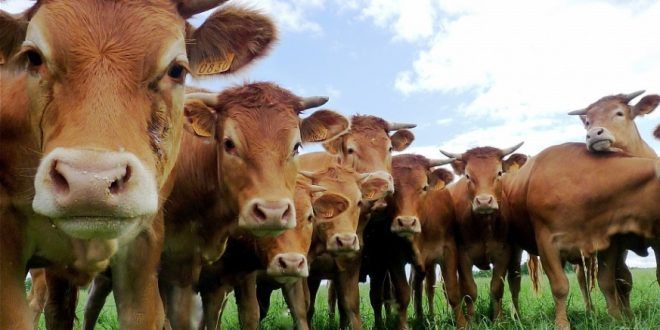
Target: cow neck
<point>639,147</point>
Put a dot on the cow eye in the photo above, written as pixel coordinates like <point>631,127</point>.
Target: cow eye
<point>350,151</point>
<point>467,176</point>
<point>619,113</point>
<point>359,203</point>
<point>425,188</point>
<point>230,146</point>
<point>296,148</point>
<point>586,123</point>
<point>177,72</point>
<point>34,58</point>
<point>499,173</point>
<point>391,149</point>
<point>309,218</point>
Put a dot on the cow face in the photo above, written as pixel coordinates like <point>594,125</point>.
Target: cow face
<point>105,85</point>
<point>367,147</point>
<point>413,180</point>
<point>258,134</point>
<point>337,210</point>
<point>610,121</point>
<point>483,169</point>
<point>286,254</point>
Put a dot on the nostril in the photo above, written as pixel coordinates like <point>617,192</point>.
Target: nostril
<point>281,261</point>
<point>287,213</point>
<point>301,264</point>
<point>588,137</point>
<point>400,221</point>
<point>490,200</point>
<point>600,131</point>
<point>258,213</point>
<point>414,222</point>
<point>60,184</point>
<point>119,184</point>
<point>339,242</point>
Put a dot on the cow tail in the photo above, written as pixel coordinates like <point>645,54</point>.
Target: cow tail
<point>533,269</point>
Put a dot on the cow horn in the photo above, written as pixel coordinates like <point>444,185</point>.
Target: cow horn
<point>439,162</point>
<point>312,102</point>
<point>188,8</point>
<point>398,126</point>
<point>631,96</point>
<point>450,155</point>
<point>512,149</point>
<point>316,188</point>
<point>210,99</point>
<point>307,174</point>
<point>580,112</point>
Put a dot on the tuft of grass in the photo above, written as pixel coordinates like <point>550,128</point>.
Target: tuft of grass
<point>537,312</point>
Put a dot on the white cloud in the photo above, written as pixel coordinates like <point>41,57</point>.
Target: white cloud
<point>15,6</point>
<point>444,121</point>
<point>290,15</point>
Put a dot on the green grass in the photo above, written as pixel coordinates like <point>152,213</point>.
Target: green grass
<point>537,312</point>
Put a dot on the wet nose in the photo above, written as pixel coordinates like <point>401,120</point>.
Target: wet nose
<point>344,242</point>
<point>406,221</point>
<point>292,263</point>
<point>485,202</point>
<point>71,183</point>
<point>263,217</point>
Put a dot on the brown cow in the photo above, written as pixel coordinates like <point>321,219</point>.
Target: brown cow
<point>247,133</point>
<point>417,227</point>
<point>610,126</point>
<point>282,258</point>
<point>576,208</point>
<point>91,126</point>
<point>483,233</point>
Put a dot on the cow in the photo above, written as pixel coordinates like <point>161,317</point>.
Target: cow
<point>282,259</point>
<point>483,232</point>
<point>91,121</point>
<point>417,227</point>
<point>611,127</point>
<point>565,204</point>
<point>224,176</point>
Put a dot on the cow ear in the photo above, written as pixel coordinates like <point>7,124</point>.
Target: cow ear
<point>12,35</point>
<point>646,105</point>
<point>330,205</point>
<point>440,178</point>
<point>201,119</point>
<point>228,40</point>
<point>514,162</point>
<point>323,125</point>
<point>374,187</point>
<point>458,166</point>
<point>402,139</point>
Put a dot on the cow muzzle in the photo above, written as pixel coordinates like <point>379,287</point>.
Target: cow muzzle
<point>288,267</point>
<point>599,139</point>
<point>94,194</point>
<point>485,204</point>
<point>406,226</point>
<point>344,243</point>
<point>268,218</point>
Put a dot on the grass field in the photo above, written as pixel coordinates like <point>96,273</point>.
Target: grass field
<point>537,311</point>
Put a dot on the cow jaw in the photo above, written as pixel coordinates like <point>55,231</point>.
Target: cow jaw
<point>599,139</point>
<point>90,193</point>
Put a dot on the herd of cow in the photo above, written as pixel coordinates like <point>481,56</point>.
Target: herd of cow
<point>113,172</point>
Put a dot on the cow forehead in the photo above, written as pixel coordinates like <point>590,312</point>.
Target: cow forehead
<point>370,138</point>
<point>125,35</point>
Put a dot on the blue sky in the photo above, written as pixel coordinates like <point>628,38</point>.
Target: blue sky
<point>469,73</point>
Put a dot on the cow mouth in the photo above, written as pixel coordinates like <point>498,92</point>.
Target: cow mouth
<point>485,210</point>
<point>600,145</point>
<point>287,278</point>
<point>343,252</point>
<point>88,227</point>
<point>406,232</point>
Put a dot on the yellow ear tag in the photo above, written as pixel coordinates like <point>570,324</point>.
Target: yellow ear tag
<point>206,68</point>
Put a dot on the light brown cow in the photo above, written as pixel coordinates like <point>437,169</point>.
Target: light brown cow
<point>483,231</point>
<point>224,176</point>
<point>418,228</point>
<point>282,258</point>
<point>610,127</point>
<point>91,126</point>
<point>576,208</point>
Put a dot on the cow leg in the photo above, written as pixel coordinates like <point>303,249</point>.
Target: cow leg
<point>552,264</point>
<point>624,282</point>
<point>246,300</point>
<point>449,269</point>
<point>388,296</point>
<point>497,287</point>
<point>313,284</point>
<point>349,295</point>
<point>134,280</point>
<point>332,299</point>
<point>98,292</point>
<point>430,290</point>
<point>467,284</point>
<point>214,298</point>
<point>295,299</point>
<point>401,294</point>
<point>514,277</point>
<point>264,291</point>
<point>377,279</point>
<point>38,294</point>
<point>417,289</point>
<point>180,307</point>
<point>60,309</point>
<point>583,279</point>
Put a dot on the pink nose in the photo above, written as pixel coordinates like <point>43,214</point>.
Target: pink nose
<point>346,242</point>
<point>72,185</point>
<point>263,217</point>
<point>485,203</point>
<point>291,263</point>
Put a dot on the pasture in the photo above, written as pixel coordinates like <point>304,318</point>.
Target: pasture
<point>537,311</point>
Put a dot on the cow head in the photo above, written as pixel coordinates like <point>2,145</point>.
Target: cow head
<point>286,254</point>
<point>367,147</point>
<point>105,81</point>
<point>610,121</point>
<point>483,169</point>
<point>337,211</point>
<point>414,178</point>
<point>258,133</point>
